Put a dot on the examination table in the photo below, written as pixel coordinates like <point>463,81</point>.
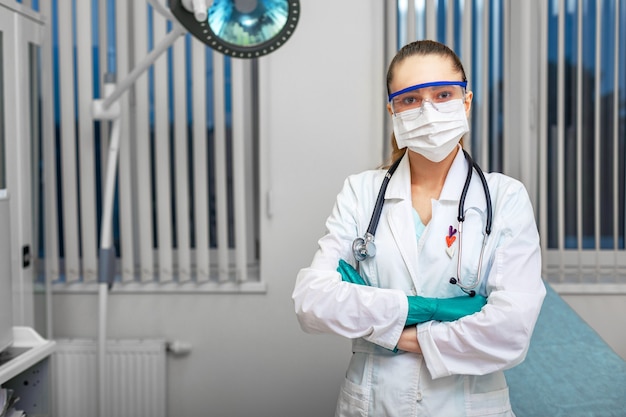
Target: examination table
<point>569,371</point>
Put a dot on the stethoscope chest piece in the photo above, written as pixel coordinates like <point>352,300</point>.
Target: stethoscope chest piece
<point>454,281</point>
<point>364,247</point>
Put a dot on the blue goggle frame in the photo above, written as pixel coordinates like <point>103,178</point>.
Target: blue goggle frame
<point>430,84</point>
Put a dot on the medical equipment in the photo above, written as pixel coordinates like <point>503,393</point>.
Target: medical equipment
<point>364,247</point>
<point>239,28</point>
<point>236,28</point>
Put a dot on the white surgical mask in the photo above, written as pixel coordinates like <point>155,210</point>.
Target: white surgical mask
<point>431,131</point>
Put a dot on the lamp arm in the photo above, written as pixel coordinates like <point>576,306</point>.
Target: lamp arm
<point>162,10</point>
<point>130,79</point>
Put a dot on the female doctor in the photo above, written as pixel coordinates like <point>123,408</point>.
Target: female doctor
<point>450,295</point>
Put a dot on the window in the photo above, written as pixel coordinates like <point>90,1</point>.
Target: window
<point>474,30</point>
<point>574,157</point>
<point>186,193</point>
<point>585,141</point>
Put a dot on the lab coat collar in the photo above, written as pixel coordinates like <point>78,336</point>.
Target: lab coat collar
<point>400,184</point>
<point>399,217</point>
<point>455,180</point>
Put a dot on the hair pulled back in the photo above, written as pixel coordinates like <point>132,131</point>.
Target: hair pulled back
<point>419,48</point>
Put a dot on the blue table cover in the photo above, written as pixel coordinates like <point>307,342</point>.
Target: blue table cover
<point>569,371</point>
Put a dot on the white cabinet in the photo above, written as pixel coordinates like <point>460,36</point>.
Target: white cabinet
<point>25,368</point>
<point>25,365</point>
<point>21,36</point>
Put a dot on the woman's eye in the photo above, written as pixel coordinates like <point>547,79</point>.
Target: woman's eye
<point>444,95</point>
<point>409,101</point>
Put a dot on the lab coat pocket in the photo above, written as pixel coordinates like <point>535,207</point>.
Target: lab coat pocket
<point>352,401</point>
<point>354,393</point>
<point>494,403</point>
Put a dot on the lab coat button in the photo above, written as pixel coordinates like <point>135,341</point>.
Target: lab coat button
<point>418,397</point>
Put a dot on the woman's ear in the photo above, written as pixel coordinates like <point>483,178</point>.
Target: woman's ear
<point>468,102</point>
<point>389,109</point>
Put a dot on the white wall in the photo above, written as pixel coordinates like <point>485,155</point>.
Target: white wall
<point>605,313</point>
<point>322,103</point>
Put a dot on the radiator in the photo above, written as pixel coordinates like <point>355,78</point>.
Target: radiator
<point>136,384</point>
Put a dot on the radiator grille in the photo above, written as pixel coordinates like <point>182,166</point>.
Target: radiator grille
<point>135,378</point>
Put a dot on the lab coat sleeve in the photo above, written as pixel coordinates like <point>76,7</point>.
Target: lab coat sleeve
<point>326,304</point>
<point>497,337</point>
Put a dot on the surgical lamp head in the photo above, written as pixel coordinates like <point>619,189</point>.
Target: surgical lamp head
<point>239,28</point>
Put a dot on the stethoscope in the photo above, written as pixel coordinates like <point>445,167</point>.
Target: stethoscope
<point>364,247</point>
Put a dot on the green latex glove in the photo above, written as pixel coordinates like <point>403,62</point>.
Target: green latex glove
<point>349,274</point>
<point>422,309</point>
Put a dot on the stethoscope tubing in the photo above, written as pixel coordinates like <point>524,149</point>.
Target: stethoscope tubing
<point>380,199</point>
<point>360,245</point>
<point>483,180</point>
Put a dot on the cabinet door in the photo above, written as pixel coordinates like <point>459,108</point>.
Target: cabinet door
<point>6,309</point>
<point>21,110</point>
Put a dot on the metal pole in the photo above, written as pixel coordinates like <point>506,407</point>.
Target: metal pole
<point>105,110</point>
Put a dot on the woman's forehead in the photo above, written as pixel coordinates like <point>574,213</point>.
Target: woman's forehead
<point>419,69</point>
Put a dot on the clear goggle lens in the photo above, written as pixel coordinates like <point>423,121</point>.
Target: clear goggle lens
<point>435,93</point>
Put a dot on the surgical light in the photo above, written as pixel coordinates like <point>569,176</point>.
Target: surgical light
<point>239,28</point>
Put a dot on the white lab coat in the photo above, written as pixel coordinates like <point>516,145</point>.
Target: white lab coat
<point>459,372</point>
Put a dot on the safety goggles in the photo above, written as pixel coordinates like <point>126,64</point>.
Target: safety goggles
<point>437,92</point>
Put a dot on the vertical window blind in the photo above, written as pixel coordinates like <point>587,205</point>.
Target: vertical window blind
<point>583,141</point>
<point>578,160</point>
<point>186,194</point>
<point>474,30</point>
